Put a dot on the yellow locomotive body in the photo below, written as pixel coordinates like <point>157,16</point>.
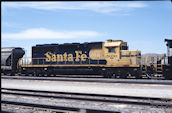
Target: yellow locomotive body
<point>116,53</point>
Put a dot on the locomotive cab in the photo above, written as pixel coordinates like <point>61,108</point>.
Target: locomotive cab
<point>117,54</point>
<point>112,52</point>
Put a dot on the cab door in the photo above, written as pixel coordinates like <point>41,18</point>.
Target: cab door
<point>112,55</point>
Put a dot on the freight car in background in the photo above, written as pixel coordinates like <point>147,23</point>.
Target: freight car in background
<point>9,59</point>
<point>167,72</point>
<point>111,58</point>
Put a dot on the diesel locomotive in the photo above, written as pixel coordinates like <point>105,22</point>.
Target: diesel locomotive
<point>110,59</point>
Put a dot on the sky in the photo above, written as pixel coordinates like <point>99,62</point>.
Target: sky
<point>142,24</point>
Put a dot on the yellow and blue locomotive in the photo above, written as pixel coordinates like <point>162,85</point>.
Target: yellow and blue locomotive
<point>111,58</point>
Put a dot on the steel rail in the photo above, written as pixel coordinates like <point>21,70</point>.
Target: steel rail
<point>28,104</point>
<point>5,111</point>
<point>163,102</point>
<point>130,81</point>
<point>64,109</point>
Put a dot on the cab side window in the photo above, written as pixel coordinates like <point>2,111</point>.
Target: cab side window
<point>124,48</point>
<point>111,50</point>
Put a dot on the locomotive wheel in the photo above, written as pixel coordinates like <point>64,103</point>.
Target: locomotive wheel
<point>168,77</point>
<point>26,74</point>
<point>32,74</point>
<point>138,75</point>
<point>12,74</point>
<point>108,74</point>
<point>4,73</point>
<point>123,76</point>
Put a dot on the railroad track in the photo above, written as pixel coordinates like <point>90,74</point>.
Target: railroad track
<point>48,100</point>
<point>49,108</point>
<point>63,76</point>
<point>52,108</point>
<point>132,100</point>
<point>131,81</point>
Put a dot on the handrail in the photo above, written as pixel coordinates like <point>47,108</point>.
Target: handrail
<point>38,60</point>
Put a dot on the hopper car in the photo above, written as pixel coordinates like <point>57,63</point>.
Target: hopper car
<point>9,59</point>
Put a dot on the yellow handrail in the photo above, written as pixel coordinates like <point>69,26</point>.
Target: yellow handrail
<point>38,60</point>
